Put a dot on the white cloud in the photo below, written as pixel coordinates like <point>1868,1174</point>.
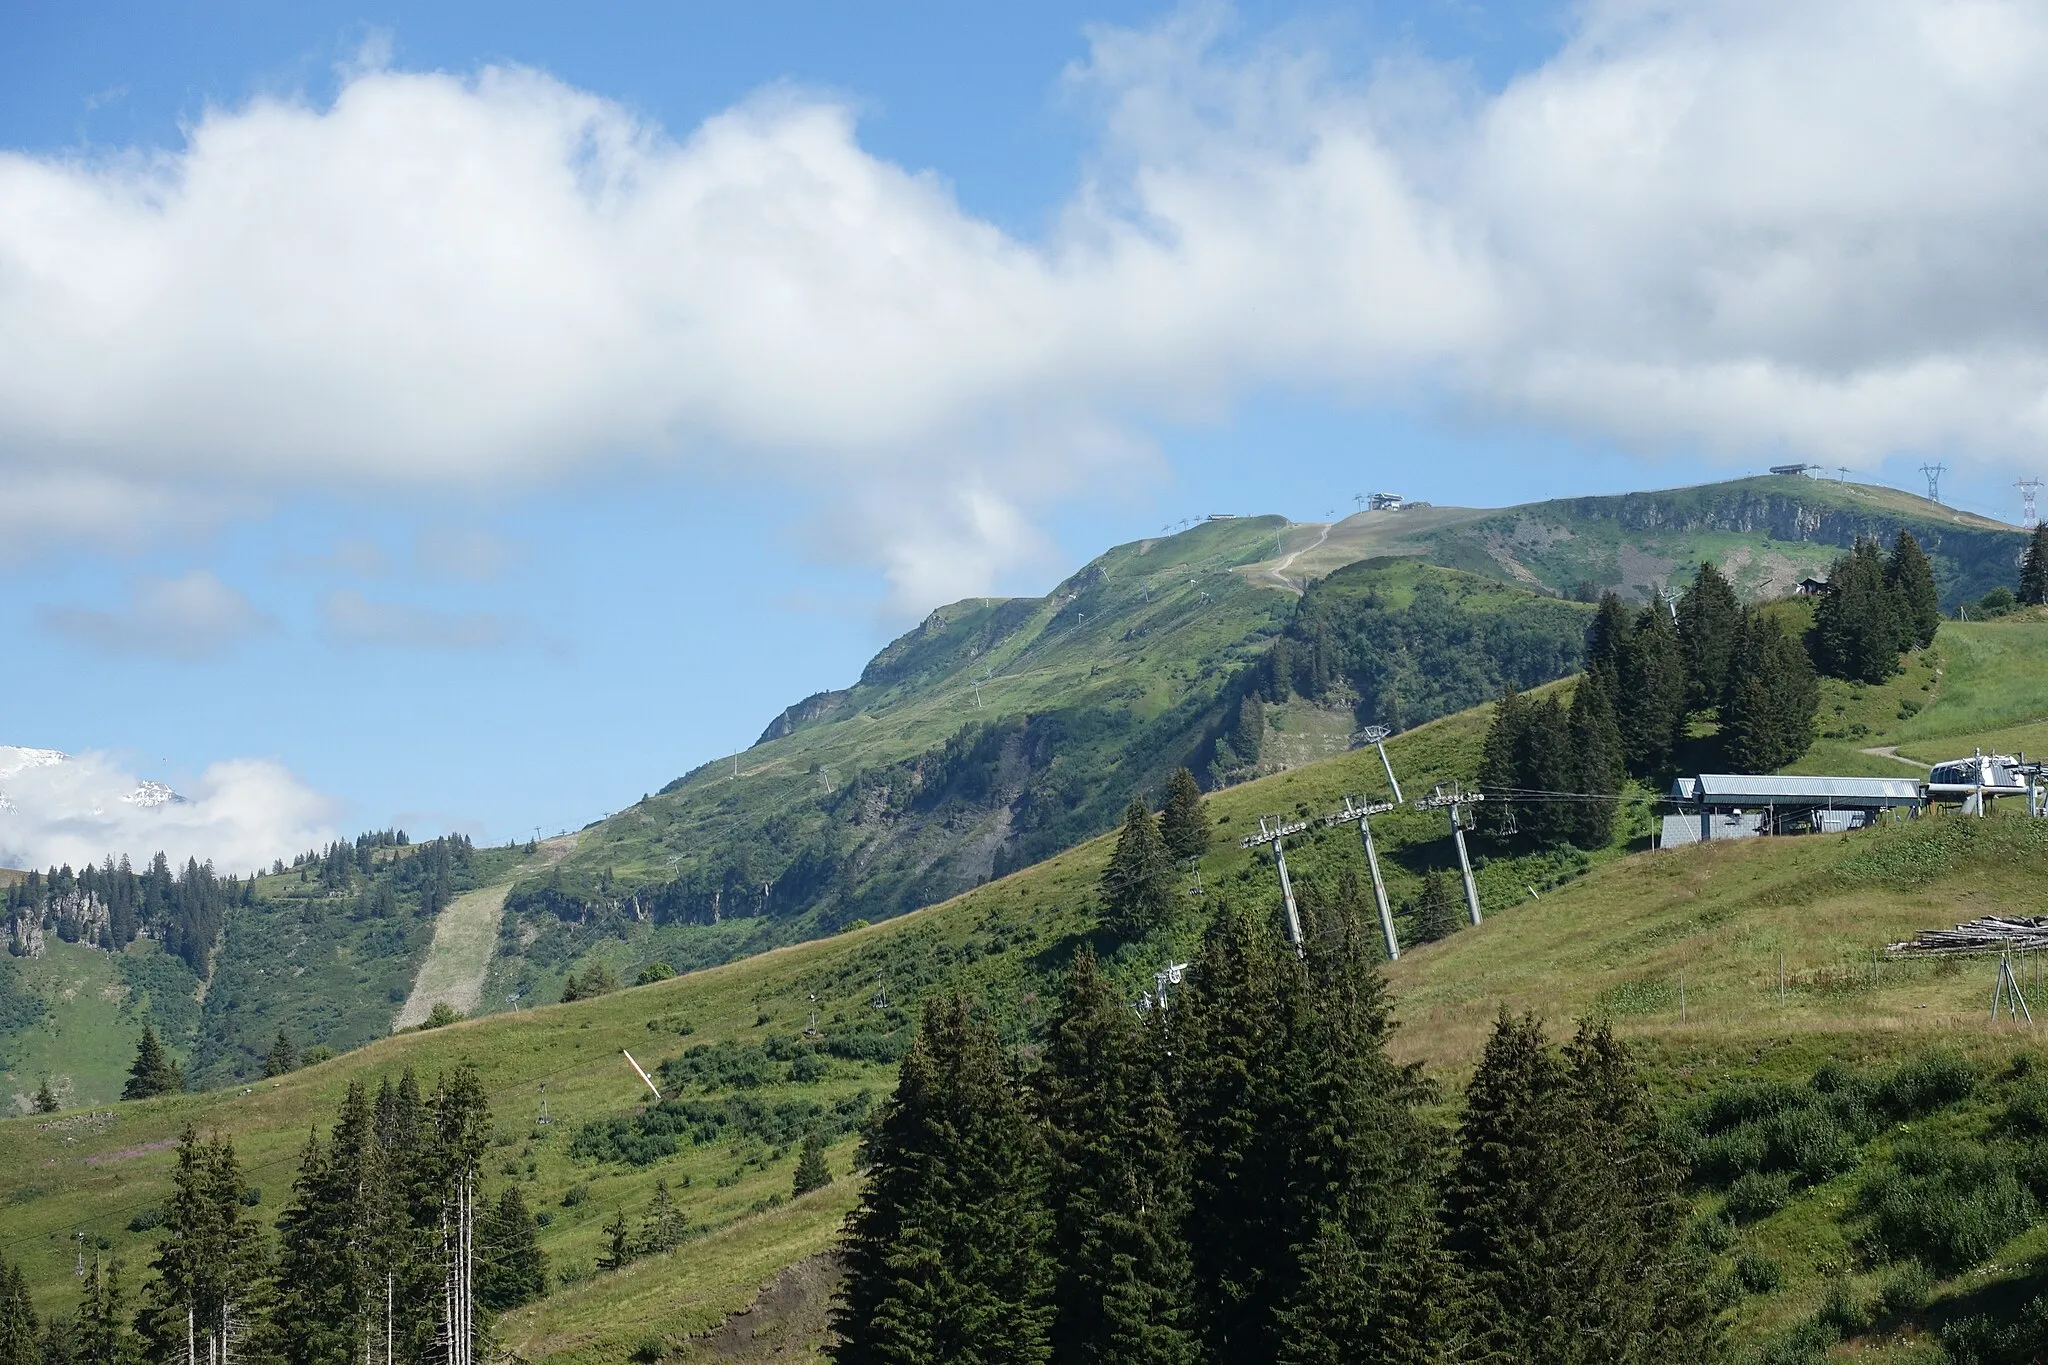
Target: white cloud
<point>353,619</point>
<point>1739,225</point>
<point>476,556</point>
<point>241,813</point>
<point>188,617</point>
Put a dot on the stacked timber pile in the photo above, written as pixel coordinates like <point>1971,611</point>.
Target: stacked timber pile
<point>1991,934</point>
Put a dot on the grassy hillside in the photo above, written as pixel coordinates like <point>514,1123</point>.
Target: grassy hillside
<point>1609,932</point>
<point>1766,533</point>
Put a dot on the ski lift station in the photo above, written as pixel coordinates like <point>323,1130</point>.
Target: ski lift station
<point>1742,806</point>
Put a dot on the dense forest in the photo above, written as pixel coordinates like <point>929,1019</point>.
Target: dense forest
<point>110,905</point>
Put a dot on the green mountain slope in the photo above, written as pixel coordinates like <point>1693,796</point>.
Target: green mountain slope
<point>1611,931</point>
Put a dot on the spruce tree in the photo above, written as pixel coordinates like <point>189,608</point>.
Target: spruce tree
<point>661,1227</point>
<point>947,1260</point>
<point>2033,585</point>
<point>1857,628</point>
<point>1910,576</point>
<point>46,1099</point>
<point>1248,736</point>
<point>1436,910</point>
<point>1595,746</point>
<point>1651,702</point>
<point>18,1344</point>
<point>318,1314</point>
<point>153,1072</point>
<point>511,1269</point>
<point>283,1056</point>
<point>1768,714</point>
<point>1500,753</point>
<point>1709,614</point>
<point>1544,763</point>
<point>1607,638</point>
<point>1118,1186</point>
<point>210,1260</point>
<point>619,1250</point>
<point>1184,825</point>
<point>102,1335</point>
<point>812,1173</point>
<point>1139,888</point>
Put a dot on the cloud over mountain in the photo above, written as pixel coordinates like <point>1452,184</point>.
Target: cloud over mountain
<point>1732,225</point>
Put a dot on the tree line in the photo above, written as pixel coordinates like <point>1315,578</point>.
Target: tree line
<point>1245,1175</point>
<point>367,1251</point>
<point>109,905</point>
<point>1652,673</point>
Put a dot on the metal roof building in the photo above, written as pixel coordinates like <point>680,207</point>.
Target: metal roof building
<point>1743,806</point>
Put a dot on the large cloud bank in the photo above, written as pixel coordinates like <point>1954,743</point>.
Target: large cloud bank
<point>61,808</point>
<point>1730,225</point>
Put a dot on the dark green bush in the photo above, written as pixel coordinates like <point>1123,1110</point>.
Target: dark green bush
<point>1842,1310</point>
<point>1950,1204</point>
<point>1757,1195</point>
<point>1924,1084</point>
<point>1907,1291</point>
<point>1713,1233</point>
<point>2026,1112</point>
<point>1758,1274</point>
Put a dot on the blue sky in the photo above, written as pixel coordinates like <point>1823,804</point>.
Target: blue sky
<point>482,414</point>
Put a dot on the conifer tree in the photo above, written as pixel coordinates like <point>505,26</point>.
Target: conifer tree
<point>2033,586</point>
<point>153,1072</point>
<point>1118,1186</point>
<point>1910,576</point>
<point>1500,753</point>
<point>1595,744</point>
<point>660,1227</point>
<point>619,1250</point>
<point>1709,614</point>
<point>1248,735</point>
<point>59,1341</point>
<point>1139,891</point>
<point>283,1056</point>
<point>1767,717</point>
<point>1436,909</point>
<point>947,1259</point>
<point>18,1345</point>
<point>1857,628</point>
<point>812,1173</point>
<point>1183,824</point>
<point>210,1260</point>
<point>1544,763</point>
<point>1607,638</point>
<point>1651,700</point>
<point>102,1335</point>
<point>511,1268</point>
<point>46,1099</point>
<point>318,1317</point>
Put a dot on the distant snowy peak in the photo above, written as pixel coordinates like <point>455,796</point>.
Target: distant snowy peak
<point>15,760</point>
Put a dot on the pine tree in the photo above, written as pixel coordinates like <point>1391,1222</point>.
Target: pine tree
<point>1595,745</point>
<point>153,1072</point>
<point>812,1173</point>
<point>1184,825</point>
<point>1139,891</point>
<point>1500,753</point>
<point>619,1250</point>
<point>283,1056</point>
<point>102,1335</point>
<point>210,1260</point>
<point>18,1344</point>
<point>1607,638</point>
<point>1658,1305</point>
<point>1910,576</point>
<point>511,1268</point>
<point>1436,910</point>
<point>1651,702</point>
<point>2033,587</point>
<point>660,1227</point>
<point>1709,614</point>
<point>1117,1188</point>
<point>947,1256</point>
<point>1857,629</point>
<point>46,1098</point>
<point>1773,697</point>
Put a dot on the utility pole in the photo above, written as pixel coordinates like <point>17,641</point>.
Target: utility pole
<point>1376,735</point>
<point>2028,487</point>
<point>1363,814</point>
<point>1274,830</point>
<point>1455,801</point>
